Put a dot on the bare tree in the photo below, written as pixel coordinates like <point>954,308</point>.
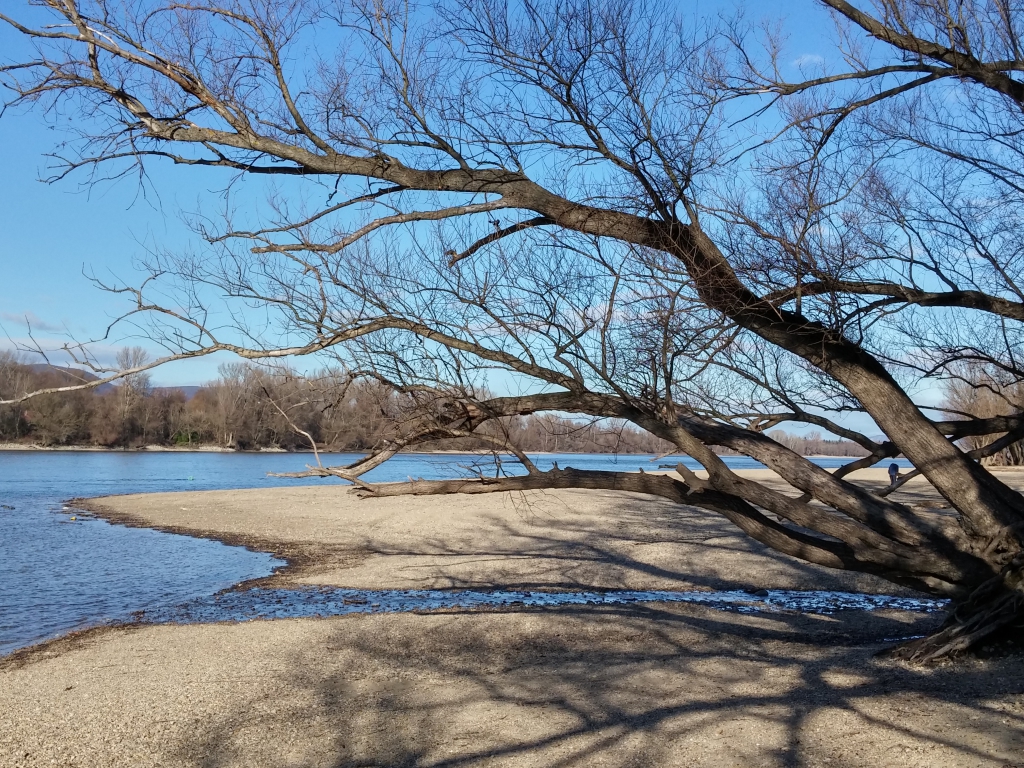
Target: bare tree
<point>629,209</point>
<point>131,391</point>
<point>981,393</point>
<point>13,381</point>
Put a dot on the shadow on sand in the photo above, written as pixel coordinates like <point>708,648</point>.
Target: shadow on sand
<point>619,685</point>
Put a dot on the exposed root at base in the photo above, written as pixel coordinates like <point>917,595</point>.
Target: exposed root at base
<point>996,605</point>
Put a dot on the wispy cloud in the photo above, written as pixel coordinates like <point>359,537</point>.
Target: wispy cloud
<point>808,60</point>
<point>24,319</point>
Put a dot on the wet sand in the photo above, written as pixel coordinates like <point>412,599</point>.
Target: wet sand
<point>604,685</point>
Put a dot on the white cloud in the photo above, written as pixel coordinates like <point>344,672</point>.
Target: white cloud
<point>808,60</point>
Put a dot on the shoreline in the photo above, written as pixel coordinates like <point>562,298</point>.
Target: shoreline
<point>295,557</point>
<point>220,515</point>
<point>160,511</point>
<point>302,559</point>
<point>299,558</point>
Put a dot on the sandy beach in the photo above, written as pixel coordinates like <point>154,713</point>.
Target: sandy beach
<point>656,684</point>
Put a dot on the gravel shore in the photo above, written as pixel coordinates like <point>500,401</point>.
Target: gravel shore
<point>663,685</point>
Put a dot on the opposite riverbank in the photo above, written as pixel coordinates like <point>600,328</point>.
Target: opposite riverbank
<point>104,449</point>
<point>623,685</point>
<point>222,449</point>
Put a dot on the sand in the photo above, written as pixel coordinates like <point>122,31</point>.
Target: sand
<point>642,685</point>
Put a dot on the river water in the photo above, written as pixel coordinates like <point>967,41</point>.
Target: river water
<point>58,574</point>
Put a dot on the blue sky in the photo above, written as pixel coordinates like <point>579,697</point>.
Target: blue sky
<point>51,233</point>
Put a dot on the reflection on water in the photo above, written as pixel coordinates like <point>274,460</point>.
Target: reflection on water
<point>57,575</point>
<point>261,603</point>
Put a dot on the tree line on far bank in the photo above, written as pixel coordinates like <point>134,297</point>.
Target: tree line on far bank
<point>250,408</point>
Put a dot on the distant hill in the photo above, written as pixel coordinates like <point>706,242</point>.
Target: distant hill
<point>77,375</point>
<point>73,375</point>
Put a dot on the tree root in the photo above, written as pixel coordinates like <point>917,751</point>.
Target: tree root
<point>993,606</point>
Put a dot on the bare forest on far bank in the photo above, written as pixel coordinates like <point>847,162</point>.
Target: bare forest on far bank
<point>251,408</point>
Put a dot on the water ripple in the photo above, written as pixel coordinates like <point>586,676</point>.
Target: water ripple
<point>260,603</point>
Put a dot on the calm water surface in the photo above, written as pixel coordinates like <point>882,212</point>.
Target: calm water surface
<point>58,575</point>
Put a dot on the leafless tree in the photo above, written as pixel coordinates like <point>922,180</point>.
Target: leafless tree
<point>131,390</point>
<point>14,380</point>
<point>631,210</point>
<point>981,393</point>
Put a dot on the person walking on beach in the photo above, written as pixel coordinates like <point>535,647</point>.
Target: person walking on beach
<point>894,474</point>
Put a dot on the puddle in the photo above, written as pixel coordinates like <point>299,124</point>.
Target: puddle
<point>328,601</point>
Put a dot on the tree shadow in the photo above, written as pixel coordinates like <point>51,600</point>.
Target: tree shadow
<point>644,544</point>
<point>622,685</point>
<point>630,685</point>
